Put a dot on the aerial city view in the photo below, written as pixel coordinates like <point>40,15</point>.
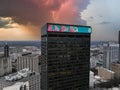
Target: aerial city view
<point>59,45</point>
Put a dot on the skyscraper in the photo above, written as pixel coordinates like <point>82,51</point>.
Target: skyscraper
<point>5,65</point>
<point>6,50</point>
<point>5,62</point>
<point>65,57</point>
<point>116,66</point>
<point>110,54</point>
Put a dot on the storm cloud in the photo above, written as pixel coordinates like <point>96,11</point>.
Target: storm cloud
<point>26,17</point>
<point>41,11</point>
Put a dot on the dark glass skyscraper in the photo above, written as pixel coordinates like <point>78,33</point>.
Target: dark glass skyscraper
<point>65,57</point>
<point>6,50</point>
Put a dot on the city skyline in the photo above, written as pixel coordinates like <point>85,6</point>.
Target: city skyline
<point>22,20</point>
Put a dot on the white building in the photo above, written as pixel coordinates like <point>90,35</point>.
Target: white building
<point>22,80</point>
<point>91,79</point>
<point>18,86</point>
<point>96,62</point>
<point>93,62</point>
<point>30,61</point>
<point>110,54</point>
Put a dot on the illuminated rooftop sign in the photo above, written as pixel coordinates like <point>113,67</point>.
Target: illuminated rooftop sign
<point>68,28</point>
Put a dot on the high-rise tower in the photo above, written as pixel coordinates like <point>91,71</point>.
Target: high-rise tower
<point>65,57</point>
<point>6,50</point>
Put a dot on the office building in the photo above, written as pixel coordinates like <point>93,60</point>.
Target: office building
<point>116,66</point>
<point>65,54</point>
<point>5,61</point>
<point>22,80</point>
<point>6,50</point>
<point>110,54</point>
<point>30,61</point>
<point>5,65</point>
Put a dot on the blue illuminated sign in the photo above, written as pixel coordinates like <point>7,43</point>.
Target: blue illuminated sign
<point>65,28</point>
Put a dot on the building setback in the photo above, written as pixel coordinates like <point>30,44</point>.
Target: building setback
<point>65,57</point>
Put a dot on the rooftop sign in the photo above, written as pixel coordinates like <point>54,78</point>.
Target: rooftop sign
<point>69,28</point>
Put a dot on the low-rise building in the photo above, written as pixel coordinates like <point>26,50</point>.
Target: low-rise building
<point>116,69</point>
<point>105,73</point>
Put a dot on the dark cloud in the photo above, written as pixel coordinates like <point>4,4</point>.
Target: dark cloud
<point>100,16</point>
<point>6,22</point>
<point>39,12</point>
<point>91,17</point>
<point>105,22</point>
<point>27,16</point>
<point>82,4</point>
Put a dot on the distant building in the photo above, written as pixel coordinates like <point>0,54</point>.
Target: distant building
<point>30,61</point>
<point>5,61</point>
<point>91,79</point>
<point>116,66</point>
<point>5,65</point>
<point>94,51</point>
<point>105,73</point>
<point>110,54</point>
<point>22,80</point>
<point>95,62</point>
<point>6,50</point>
<point>65,57</point>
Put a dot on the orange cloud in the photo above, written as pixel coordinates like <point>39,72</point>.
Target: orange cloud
<point>19,31</point>
<point>66,13</point>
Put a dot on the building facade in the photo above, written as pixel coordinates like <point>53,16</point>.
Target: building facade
<point>116,69</point>
<point>30,61</point>
<point>65,55</point>
<point>6,50</point>
<point>105,73</point>
<point>5,65</point>
<point>22,80</point>
<point>110,54</point>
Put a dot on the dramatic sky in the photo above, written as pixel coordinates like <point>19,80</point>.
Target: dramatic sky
<point>22,19</point>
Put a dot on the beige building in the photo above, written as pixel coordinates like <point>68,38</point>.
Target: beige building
<point>105,73</point>
<point>5,65</point>
<point>116,69</point>
<point>30,61</point>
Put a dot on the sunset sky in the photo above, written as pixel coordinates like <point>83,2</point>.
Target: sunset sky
<point>22,19</point>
